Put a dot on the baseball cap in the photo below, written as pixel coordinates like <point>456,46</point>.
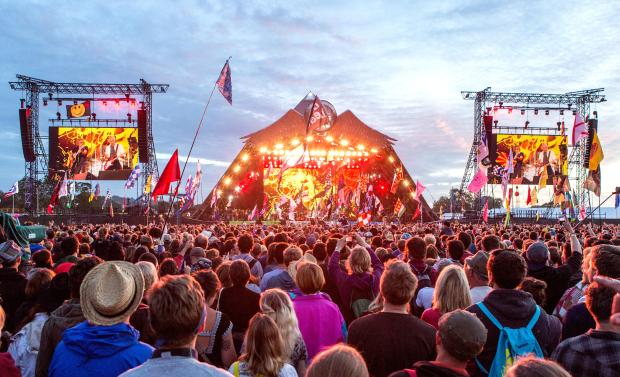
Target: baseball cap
<point>462,334</point>
<point>478,263</point>
<point>537,254</point>
<point>9,251</point>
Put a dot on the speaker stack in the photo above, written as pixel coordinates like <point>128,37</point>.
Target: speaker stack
<point>25,126</point>
<point>143,139</point>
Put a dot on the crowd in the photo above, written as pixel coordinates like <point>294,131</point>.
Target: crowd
<point>440,299</point>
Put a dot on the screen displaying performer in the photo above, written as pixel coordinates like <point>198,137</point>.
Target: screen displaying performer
<point>534,157</point>
<point>94,153</point>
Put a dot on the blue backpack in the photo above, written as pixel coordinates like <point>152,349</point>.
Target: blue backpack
<point>511,344</point>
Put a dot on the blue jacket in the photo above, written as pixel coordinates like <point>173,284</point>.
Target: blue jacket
<point>89,350</point>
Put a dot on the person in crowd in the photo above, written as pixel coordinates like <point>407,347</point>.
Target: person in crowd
<point>320,320</point>
<point>393,339</point>
<point>536,367</point>
<point>506,306</point>
<point>238,302</point>
<point>276,304</point>
<point>451,293</point>
<point>280,277</point>
<point>557,278</point>
<point>490,242</point>
<point>140,319</point>
<point>66,316</point>
<point>105,344</point>
<point>536,288</point>
<point>477,276</point>
<point>39,279</point>
<point>69,248</point>
<point>597,352</point>
<point>415,254</point>
<point>338,361</point>
<point>359,285</point>
<point>25,343</point>
<point>264,354</point>
<point>576,294</point>
<point>7,364</point>
<point>455,252</point>
<point>245,243</point>
<point>12,282</point>
<point>459,340</point>
<point>42,259</point>
<point>168,267</point>
<point>215,342</point>
<point>177,308</point>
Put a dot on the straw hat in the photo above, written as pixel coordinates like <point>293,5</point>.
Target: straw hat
<point>111,292</point>
<point>292,267</point>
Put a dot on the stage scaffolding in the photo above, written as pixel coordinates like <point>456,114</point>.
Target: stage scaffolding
<point>33,88</point>
<point>579,101</point>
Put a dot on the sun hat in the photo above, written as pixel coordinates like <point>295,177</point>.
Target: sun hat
<point>292,267</point>
<point>462,334</point>
<point>111,292</point>
<point>478,263</point>
<point>9,251</point>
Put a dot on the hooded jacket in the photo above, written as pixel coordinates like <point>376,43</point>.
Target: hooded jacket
<point>90,350</point>
<point>12,293</point>
<point>66,316</point>
<point>362,282</point>
<point>557,278</point>
<point>514,309</point>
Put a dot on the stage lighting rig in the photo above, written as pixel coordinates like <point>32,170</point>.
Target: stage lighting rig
<point>522,112</point>
<point>527,123</point>
<point>21,103</point>
<point>546,112</point>
<point>44,102</point>
<point>58,115</point>
<point>561,112</point>
<point>559,124</point>
<point>59,102</point>
<point>93,116</point>
<point>535,111</point>
<point>129,117</point>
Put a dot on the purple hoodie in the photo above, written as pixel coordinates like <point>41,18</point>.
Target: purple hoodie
<point>360,281</point>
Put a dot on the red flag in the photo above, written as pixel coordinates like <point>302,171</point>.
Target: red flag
<point>529,196</point>
<point>398,178</point>
<point>418,212</point>
<point>170,174</point>
<point>485,212</point>
<point>54,199</point>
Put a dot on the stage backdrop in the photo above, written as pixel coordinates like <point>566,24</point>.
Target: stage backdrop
<point>533,156</point>
<point>86,153</point>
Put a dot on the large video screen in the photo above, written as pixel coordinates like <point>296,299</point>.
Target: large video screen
<point>533,156</point>
<point>102,153</point>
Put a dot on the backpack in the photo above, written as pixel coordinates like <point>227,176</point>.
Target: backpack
<point>360,301</point>
<point>511,344</point>
<point>424,279</point>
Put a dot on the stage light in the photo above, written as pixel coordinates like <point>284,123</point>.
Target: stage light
<point>244,157</point>
<point>527,123</point>
<point>413,194</point>
<point>561,112</point>
<point>344,142</point>
<point>510,110</point>
<point>22,102</point>
<point>535,111</point>
<point>279,146</point>
<point>59,102</point>
<point>559,124</point>
<point>406,183</point>
<point>310,138</point>
<point>219,192</point>
<point>75,102</point>
<point>391,159</point>
<point>522,112</point>
<point>227,181</point>
<point>495,122</point>
<point>546,112</point>
<point>501,104</point>
<point>133,104</point>
<point>105,103</point>
<point>93,116</point>
<point>44,102</point>
<point>237,189</point>
<point>574,112</point>
<point>374,151</point>
<point>361,147</point>
<point>58,115</point>
<point>129,117</point>
<point>50,95</point>
<point>236,168</point>
<point>329,138</point>
<point>263,150</point>
<point>295,142</point>
<point>570,105</point>
<point>488,110</point>
<point>230,197</point>
<point>595,113</point>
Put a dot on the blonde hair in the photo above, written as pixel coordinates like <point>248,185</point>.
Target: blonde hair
<point>2,318</point>
<point>534,367</point>
<point>277,305</point>
<point>451,290</point>
<point>358,261</point>
<point>264,354</point>
<point>338,361</point>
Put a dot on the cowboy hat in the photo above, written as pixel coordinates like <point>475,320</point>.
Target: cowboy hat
<point>111,292</point>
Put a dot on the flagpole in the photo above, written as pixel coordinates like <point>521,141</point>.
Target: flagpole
<point>176,191</point>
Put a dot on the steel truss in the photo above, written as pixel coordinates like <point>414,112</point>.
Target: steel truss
<point>580,99</point>
<point>36,171</point>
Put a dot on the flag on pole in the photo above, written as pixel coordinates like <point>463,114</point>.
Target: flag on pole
<point>596,152</point>
<point>510,163</point>
<point>170,174</point>
<point>542,180</point>
<point>483,153</point>
<point>399,208</point>
<point>111,209</point>
<point>440,212</point>
<point>253,214</point>
<point>419,189</point>
<point>593,181</point>
<point>507,220</point>
<point>398,177</point>
<point>617,204</point>
<point>480,179</point>
<point>505,180</point>
<point>133,177</point>
<point>147,185</point>
<point>318,115</point>
<point>582,213</point>
<point>580,129</point>
<point>529,196</point>
<point>108,196</point>
<point>416,214</point>
<point>54,200</point>
<point>94,194</point>
<point>12,191</point>
<point>224,82</point>
<point>534,197</point>
<point>485,212</point>
<point>64,191</point>
<point>537,216</point>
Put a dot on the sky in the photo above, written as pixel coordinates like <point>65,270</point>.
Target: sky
<point>398,65</point>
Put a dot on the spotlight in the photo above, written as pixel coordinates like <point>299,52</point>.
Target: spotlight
<point>50,95</point>
<point>58,115</point>
<point>75,102</point>
<point>535,111</point>
<point>105,103</point>
<point>570,105</point>
<point>595,113</point>
<point>44,101</point>
<point>527,123</point>
<point>129,117</point>
<point>574,112</point>
<point>22,102</point>
<point>59,102</point>
<point>561,112</point>
<point>522,112</point>
<point>117,103</point>
<point>488,110</point>
<point>142,105</point>
<point>495,123</point>
<point>559,124</point>
<point>93,116</point>
<point>501,104</point>
<point>546,112</point>
<point>127,97</point>
<point>510,110</point>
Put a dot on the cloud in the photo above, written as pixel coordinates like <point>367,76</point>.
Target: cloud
<point>203,161</point>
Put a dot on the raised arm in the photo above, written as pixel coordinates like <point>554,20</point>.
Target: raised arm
<point>334,262</point>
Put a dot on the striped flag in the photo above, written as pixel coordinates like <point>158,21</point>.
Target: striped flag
<point>133,177</point>
<point>224,82</point>
<point>108,196</point>
<point>12,191</point>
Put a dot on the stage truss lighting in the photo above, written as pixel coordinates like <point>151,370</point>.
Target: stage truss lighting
<point>22,102</point>
<point>58,116</point>
<point>546,112</point>
<point>535,111</point>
